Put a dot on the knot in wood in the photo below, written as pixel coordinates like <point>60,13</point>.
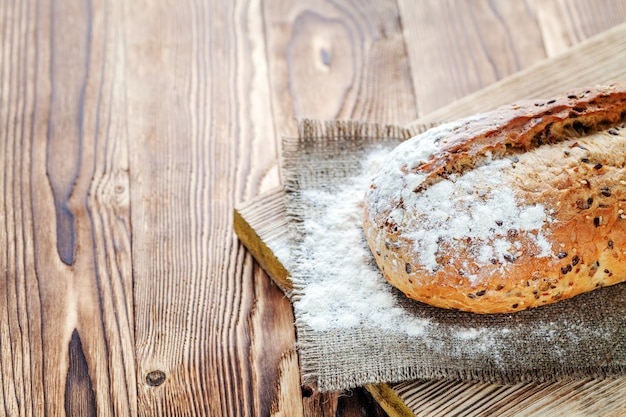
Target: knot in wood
<point>155,378</point>
<point>307,391</point>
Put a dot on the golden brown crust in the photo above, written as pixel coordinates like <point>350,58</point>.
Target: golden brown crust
<point>562,162</point>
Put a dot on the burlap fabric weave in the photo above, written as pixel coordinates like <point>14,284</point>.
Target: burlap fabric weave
<point>577,338</point>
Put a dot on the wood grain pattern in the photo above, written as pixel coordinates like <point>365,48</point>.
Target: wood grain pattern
<point>254,211</point>
<point>341,59</point>
<point>130,130</point>
<point>205,315</point>
<point>472,44</point>
<point>21,333</point>
<point>68,312</point>
<point>546,78</point>
<point>565,23</point>
<point>605,398</point>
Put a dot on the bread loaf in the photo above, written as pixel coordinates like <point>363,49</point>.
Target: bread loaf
<point>507,210</point>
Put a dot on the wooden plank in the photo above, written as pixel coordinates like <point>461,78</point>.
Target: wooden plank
<point>214,336</point>
<point>68,270</point>
<point>21,363</point>
<point>337,60</point>
<point>458,47</point>
<point>609,66</point>
<point>389,400</point>
<point>266,230</point>
<point>474,44</point>
<point>589,397</point>
<point>565,23</point>
<point>67,320</point>
<point>172,101</point>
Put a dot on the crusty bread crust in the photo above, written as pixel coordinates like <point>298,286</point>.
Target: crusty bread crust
<point>561,161</point>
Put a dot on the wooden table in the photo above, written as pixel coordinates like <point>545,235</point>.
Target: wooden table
<point>129,132</point>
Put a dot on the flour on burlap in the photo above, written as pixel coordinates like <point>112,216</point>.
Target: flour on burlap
<point>348,290</point>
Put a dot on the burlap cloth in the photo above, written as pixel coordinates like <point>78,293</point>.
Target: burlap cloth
<point>576,338</point>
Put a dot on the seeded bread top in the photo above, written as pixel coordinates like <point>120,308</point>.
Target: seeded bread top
<point>487,204</point>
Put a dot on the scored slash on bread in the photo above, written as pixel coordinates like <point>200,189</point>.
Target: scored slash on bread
<point>507,210</point>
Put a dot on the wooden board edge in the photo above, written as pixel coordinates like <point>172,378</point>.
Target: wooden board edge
<point>389,400</point>
<point>258,248</point>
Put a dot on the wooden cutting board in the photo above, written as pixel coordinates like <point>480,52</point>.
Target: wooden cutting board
<point>261,225</point>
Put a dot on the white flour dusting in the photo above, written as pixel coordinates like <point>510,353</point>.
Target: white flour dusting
<point>474,211</point>
<point>348,290</point>
<point>453,210</point>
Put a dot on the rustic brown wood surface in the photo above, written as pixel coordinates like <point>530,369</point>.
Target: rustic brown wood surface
<point>129,132</point>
